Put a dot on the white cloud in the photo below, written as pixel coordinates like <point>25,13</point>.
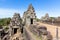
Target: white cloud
<point>7,12</point>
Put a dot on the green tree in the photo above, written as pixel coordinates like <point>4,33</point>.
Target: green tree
<point>5,21</point>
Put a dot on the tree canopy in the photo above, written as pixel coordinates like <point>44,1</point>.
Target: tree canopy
<point>5,21</point>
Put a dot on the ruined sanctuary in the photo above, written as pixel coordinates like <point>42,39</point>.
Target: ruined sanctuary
<point>16,28</point>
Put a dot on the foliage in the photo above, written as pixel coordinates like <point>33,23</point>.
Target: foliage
<point>37,19</point>
<point>6,28</point>
<point>5,21</point>
<point>52,17</point>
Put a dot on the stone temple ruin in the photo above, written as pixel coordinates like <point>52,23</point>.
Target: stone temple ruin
<point>15,26</point>
<point>15,31</point>
<point>29,16</point>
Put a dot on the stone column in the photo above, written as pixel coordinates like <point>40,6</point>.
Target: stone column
<point>57,33</point>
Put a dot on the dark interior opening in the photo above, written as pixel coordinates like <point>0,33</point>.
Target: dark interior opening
<point>31,20</point>
<point>22,30</point>
<point>15,30</point>
<point>5,39</point>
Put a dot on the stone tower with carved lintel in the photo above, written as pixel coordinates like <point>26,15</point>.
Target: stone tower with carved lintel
<point>15,24</point>
<point>29,16</point>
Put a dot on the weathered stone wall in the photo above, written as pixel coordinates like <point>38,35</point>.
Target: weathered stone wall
<point>30,13</point>
<point>41,31</point>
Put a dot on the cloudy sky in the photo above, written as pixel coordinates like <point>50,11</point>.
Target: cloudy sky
<point>9,7</point>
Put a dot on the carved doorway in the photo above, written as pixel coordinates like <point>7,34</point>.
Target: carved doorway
<point>15,30</point>
<point>31,20</point>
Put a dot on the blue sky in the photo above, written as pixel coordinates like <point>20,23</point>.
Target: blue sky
<point>9,7</point>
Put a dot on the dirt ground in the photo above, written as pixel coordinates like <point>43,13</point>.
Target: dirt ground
<point>51,29</point>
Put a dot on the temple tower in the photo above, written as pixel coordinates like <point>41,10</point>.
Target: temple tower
<point>29,16</point>
<point>15,24</point>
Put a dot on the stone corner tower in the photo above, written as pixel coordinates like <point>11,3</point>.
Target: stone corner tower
<point>15,24</point>
<point>29,16</point>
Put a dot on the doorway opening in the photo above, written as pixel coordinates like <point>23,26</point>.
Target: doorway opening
<point>31,20</point>
<point>15,30</point>
<point>22,30</point>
